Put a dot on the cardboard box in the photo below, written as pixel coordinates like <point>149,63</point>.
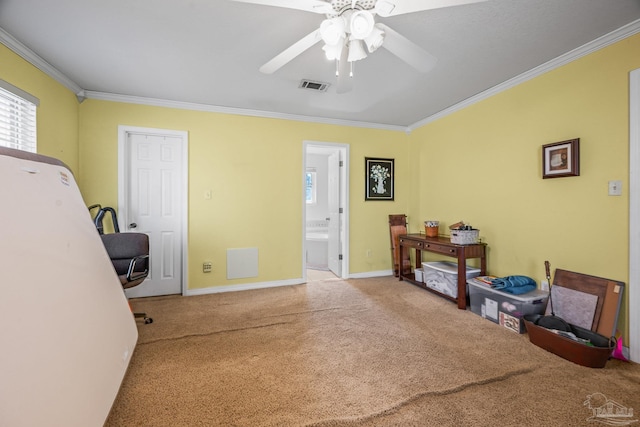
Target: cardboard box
<point>442,276</point>
<point>504,308</point>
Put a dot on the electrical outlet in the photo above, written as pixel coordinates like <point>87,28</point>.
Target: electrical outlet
<point>544,285</point>
<point>206,267</point>
<point>368,253</point>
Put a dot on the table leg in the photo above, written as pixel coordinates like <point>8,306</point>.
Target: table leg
<point>401,254</point>
<point>462,280</point>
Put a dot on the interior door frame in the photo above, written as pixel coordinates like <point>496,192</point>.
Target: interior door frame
<point>634,213</point>
<point>344,202</point>
<point>334,203</point>
<point>123,136</point>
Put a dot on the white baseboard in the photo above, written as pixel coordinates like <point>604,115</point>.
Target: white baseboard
<point>243,287</point>
<point>368,274</point>
<point>274,284</point>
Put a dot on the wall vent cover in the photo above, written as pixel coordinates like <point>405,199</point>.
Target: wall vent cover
<point>313,85</point>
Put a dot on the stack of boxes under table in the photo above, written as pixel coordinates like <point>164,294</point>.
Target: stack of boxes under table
<point>500,307</point>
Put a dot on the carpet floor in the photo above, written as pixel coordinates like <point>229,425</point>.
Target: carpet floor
<point>363,352</point>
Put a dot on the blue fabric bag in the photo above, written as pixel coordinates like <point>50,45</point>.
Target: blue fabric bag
<point>515,285</point>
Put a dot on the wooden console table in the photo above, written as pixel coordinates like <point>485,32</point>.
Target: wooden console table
<point>442,245</point>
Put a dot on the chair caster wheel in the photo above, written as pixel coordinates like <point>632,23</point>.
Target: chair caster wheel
<point>148,320</point>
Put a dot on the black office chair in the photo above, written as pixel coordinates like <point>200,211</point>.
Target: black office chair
<point>129,253</point>
<point>100,215</point>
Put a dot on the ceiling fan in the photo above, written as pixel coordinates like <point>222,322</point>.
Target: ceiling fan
<point>349,28</point>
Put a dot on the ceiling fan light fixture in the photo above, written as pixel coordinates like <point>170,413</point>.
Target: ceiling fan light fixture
<point>356,51</point>
<point>374,39</point>
<point>332,30</point>
<point>333,51</point>
<point>361,24</point>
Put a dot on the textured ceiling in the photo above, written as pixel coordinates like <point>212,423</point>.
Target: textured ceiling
<point>209,52</point>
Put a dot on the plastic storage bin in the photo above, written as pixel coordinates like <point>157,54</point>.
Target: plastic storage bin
<point>504,308</point>
<point>442,276</point>
<point>419,274</point>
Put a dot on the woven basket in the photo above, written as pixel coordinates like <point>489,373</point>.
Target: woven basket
<point>464,237</point>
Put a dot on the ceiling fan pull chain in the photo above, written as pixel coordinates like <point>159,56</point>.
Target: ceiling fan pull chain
<point>351,72</point>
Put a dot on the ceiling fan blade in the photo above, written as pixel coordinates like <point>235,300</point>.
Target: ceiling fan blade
<point>291,52</point>
<point>387,8</point>
<point>315,6</point>
<point>407,50</point>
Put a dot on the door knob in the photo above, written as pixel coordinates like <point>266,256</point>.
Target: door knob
<point>133,225</point>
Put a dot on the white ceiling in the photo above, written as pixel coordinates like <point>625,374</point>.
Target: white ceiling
<point>208,52</point>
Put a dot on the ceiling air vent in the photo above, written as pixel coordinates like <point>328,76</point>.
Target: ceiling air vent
<point>312,85</point>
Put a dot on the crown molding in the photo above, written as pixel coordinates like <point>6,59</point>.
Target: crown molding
<point>31,57</point>
<point>155,102</point>
<point>38,62</point>
<point>586,49</point>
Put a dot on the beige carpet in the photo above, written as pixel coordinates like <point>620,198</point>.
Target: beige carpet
<point>367,352</point>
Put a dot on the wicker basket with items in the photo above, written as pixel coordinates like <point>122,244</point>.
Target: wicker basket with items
<point>463,234</point>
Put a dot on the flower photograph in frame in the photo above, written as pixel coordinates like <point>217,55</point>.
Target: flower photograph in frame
<point>561,159</point>
<point>379,179</point>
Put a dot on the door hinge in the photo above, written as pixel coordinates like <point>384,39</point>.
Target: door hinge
<point>340,257</point>
<point>340,210</point>
<point>341,163</point>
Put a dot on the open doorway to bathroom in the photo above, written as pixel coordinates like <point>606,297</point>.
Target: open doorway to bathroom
<point>325,211</point>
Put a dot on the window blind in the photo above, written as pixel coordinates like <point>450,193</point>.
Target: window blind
<point>17,118</point>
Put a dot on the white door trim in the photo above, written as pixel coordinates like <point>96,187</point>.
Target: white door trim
<point>344,202</point>
<point>634,215</point>
<point>123,133</point>
<point>334,203</point>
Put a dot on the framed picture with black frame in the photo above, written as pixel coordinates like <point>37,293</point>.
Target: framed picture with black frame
<point>379,177</point>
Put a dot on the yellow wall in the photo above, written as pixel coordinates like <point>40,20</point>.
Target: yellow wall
<point>483,165</point>
<point>57,114</point>
<point>254,168</point>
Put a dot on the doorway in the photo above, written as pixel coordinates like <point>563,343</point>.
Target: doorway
<point>325,225</point>
<point>152,199</point>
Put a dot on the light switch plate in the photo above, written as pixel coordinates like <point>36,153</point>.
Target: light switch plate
<point>615,188</point>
